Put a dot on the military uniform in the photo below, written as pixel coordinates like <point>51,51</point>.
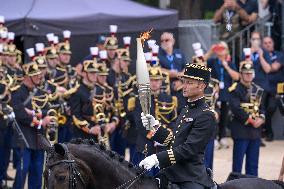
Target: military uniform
<point>211,94</point>
<point>31,158</point>
<point>65,133</point>
<point>12,74</point>
<point>6,133</point>
<point>81,104</point>
<point>163,108</point>
<point>183,162</point>
<point>246,105</point>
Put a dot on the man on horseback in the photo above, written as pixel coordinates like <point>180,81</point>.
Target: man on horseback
<point>184,160</point>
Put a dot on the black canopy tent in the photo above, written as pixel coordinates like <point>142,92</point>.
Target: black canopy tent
<point>31,20</point>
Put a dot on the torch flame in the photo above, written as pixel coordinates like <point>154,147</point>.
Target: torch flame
<point>145,35</point>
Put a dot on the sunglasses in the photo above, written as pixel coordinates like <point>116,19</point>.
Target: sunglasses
<point>165,40</point>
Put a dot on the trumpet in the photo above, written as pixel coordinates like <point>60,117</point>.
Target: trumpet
<point>251,108</point>
<point>100,119</point>
<point>118,104</point>
<point>52,127</point>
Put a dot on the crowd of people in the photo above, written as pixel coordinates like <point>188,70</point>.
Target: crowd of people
<point>98,99</point>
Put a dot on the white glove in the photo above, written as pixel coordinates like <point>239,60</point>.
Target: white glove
<point>146,119</point>
<point>149,162</point>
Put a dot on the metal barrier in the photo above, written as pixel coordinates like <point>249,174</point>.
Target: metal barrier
<point>207,33</point>
<point>242,39</point>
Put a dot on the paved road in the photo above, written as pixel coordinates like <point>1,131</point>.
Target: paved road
<point>269,162</point>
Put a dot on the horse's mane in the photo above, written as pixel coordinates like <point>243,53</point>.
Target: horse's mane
<point>115,157</point>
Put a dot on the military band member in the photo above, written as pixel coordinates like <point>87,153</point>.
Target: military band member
<point>184,160</point>
<point>6,133</point>
<point>51,57</point>
<point>28,108</point>
<point>111,44</point>
<point>111,120</point>
<point>248,117</point>
<point>12,63</point>
<point>163,107</point>
<point>126,90</point>
<point>81,103</point>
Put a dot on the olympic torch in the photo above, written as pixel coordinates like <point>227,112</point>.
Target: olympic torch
<point>143,79</point>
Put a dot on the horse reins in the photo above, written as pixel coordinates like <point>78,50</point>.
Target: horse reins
<point>73,170</point>
<point>131,181</point>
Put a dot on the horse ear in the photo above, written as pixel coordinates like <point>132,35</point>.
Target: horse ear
<point>44,143</point>
<point>59,149</point>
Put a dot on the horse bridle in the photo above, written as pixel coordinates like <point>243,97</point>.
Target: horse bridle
<point>73,170</point>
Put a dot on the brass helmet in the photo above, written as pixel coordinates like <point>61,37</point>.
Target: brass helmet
<point>31,68</point>
<point>111,43</point>
<point>64,48</point>
<point>246,66</point>
<point>50,52</point>
<point>155,72</point>
<point>123,54</point>
<point>90,66</point>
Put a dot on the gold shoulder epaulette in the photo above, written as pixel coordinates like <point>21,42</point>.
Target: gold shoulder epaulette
<point>233,87</point>
<point>131,103</point>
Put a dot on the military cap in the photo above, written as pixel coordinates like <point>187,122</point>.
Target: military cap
<point>155,72</point>
<point>89,66</point>
<point>123,54</point>
<point>64,48</point>
<point>197,72</point>
<point>111,43</point>
<point>102,68</point>
<point>40,60</point>
<point>2,27</point>
<point>50,52</point>
<point>11,49</point>
<point>246,66</point>
<point>31,68</point>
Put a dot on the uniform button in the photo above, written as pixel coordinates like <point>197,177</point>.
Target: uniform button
<point>180,121</point>
<point>183,116</point>
<point>173,141</point>
<point>186,111</point>
<point>176,131</point>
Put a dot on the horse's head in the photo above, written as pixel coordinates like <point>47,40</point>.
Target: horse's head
<point>62,170</point>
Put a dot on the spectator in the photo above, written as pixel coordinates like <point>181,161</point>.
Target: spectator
<point>238,13</point>
<point>261,61</point>
<point>275,9</point>
<point>225,71</point>
<point>263,8</point>
<point>171,60</point>
<point>276,75</point>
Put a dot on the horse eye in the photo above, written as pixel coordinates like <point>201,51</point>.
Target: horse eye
<point>61,177</point>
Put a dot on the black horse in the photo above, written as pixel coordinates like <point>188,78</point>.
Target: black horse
<point>86,164</point>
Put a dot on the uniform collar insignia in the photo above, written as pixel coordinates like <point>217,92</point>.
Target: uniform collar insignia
<point>188,119</point>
